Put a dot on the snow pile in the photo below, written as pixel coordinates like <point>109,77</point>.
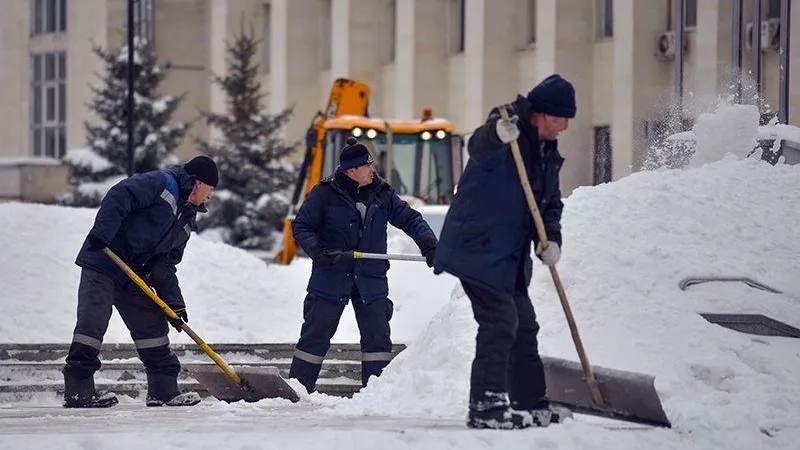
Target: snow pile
<point>627,246</point>
<point>232,296</point>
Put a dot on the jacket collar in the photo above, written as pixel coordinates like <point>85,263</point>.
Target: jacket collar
<point>185,185</point>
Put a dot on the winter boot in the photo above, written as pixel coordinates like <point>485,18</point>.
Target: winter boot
<point>494,412</point>
<point>162,390</point>
<point>81,393</point>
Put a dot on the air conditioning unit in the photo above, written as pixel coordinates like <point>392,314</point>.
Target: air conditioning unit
<point>770,35</point>
<point>666,45</point>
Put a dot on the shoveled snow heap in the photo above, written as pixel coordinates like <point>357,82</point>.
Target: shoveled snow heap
<point>627,246</point>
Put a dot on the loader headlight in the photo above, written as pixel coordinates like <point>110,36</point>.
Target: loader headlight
<point>371,133</point>
<point>356,132</point>
<point>440,134</point>
<point>426,135</point>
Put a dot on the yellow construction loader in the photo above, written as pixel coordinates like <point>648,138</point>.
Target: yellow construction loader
<point>421,159</point>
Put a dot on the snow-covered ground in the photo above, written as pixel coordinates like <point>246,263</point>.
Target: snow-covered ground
<point>627,245</point>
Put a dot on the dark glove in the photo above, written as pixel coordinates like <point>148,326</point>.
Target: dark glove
<point>430,255</point>
<point>95,244</point>
<point>428,248</point>
<point>328,257</point>
<point>181,312</point>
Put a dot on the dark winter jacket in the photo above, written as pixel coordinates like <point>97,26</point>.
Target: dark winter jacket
<point>329,219</point>
<point>147,223</point>
<point>488,230</point>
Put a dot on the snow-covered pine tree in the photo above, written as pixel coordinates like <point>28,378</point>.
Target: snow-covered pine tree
<point>247,210</point>
<point>104,160</point>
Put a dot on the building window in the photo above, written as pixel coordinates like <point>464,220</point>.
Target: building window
<point>326,34</point>
<point>690,14</point>
<point>144,20</point>
<point>602,154</point>
<point>49,104</point>
<point>604,14</point>
<point>457,22</point>
<point>531,38</point>
<point>773,9</point>
<point>49,16</point>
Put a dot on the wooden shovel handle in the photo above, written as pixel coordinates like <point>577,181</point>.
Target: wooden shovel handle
<point>562,294</point>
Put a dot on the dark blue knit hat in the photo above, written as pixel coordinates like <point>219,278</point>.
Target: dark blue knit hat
<point>353,155</point>
<point>554,96</point>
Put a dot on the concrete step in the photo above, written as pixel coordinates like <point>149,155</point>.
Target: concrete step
<point>28,369</point>
<point>227,351</point>
<point>12,371</point>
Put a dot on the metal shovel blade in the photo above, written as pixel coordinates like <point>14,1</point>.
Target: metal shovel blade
<point>261,382</point>
<point>628,396</point>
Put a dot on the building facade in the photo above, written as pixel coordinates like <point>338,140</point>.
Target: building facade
<point>460,57</point>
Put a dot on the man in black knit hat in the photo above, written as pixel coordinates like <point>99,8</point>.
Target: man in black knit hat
<point>486,243</point>
<point>351,211</point>
<point>146,220</point>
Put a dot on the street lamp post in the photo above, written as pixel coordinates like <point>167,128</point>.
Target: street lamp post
<point>129,103</point>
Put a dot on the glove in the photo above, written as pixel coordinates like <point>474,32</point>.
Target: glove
<point>328,257</point>
<point>181,312</point>
<point>428,248</point>
<point>430,255</point>
<point>95,244</point>
<point>550,255</point>
<point>507,131</point>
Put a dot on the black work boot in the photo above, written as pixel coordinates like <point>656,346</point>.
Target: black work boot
<point>81,393</point>
<point>162,390</point>
<point>494,412</point>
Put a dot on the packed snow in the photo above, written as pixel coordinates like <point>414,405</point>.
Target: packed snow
<point>627,246</point>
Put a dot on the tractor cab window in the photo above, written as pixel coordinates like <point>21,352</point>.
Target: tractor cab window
<point>421,165</point>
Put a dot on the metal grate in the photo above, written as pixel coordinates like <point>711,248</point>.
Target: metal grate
<point>753,324</point>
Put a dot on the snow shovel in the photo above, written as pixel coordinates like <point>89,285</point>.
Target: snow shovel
<point>611,393</point>
<point>225,385</point>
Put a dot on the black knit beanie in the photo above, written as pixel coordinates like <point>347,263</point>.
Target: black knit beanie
<point>204,168</point>
<point>554,96</point>
<point>353,155</point>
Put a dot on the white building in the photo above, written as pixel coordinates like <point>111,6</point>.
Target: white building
<point>461,57</point>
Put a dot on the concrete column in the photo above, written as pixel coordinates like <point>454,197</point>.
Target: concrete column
<point>217,35</point>
<point>474,48</point>
<point>14,78</point>
<point>639,80</point>
<point>429,71</point>
<point>564,46</point>
<point>405,56</point>
<point>501,41</point>
<point>86,25</point>
<point>279,55</point>
<point>711,56</point>
<point>340,39</point>
<point>301,69</point>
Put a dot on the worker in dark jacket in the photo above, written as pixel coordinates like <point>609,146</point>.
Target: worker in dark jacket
<point>486,243</point>
<point>146,220</point>
<point>345,212</point>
